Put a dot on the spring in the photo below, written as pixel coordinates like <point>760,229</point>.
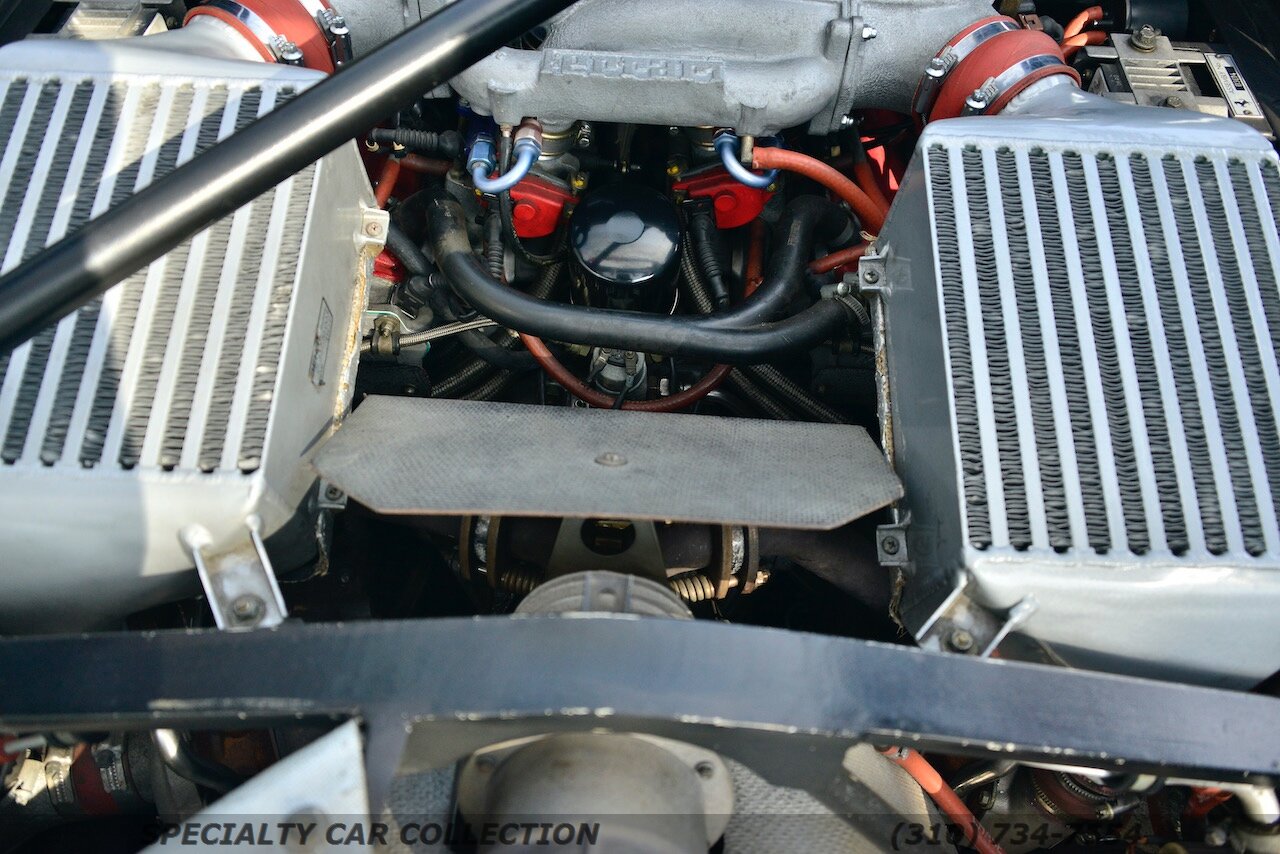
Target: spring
<point>693,587</point>
<point>518,581</point>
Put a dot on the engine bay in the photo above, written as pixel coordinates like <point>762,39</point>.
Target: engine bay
<point>652,382</point>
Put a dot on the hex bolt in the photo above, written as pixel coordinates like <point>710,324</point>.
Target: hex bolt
<point>705,770</point>
<point>868,33</point>
<point>247,608</point>
<point>890,545</point>
<point>1175,102</point>
<point>1144,38</point>
<point>611,459</point>
<point>960,640</point>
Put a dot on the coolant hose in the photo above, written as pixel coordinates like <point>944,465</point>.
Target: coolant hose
<point>678,336</point>
<point>869,214</point>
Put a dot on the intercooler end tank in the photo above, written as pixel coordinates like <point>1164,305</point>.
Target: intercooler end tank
<point>183,405</point>
<point>1080,320</point>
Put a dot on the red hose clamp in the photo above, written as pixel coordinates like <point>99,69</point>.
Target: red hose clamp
<point>984,66</point>
<point>294,32</point>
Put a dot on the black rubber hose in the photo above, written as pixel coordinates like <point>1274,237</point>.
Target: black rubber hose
<point>471,372</point>
<point>758,397</point>
<point>475,340</point>
<point>446,145</point>
<point>409,254</point>
<point>491,387</point>
<point>755,381</point>
<point>793,394</point>
<point>494,251</point>
<point>806,220</point>
<point>251,161</point>
<point>677,336</point>
<point>477,368</point>
<point>178,756</point>
<point>705,236</point>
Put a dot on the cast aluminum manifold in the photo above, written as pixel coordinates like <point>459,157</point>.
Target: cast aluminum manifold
<point>1081,315</point>
<point>181,408</point>
<point>754,65</point>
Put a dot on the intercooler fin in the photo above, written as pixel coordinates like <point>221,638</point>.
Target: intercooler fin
<point>1180,358</point>
<point>963,386</point>
<point>1110,324</point>
<point>1035,365</point>
<point>175,367</point>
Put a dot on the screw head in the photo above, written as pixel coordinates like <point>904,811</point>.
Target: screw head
<point>373,229</point>
<point>960,640</point>
<point>611,459</point>
<point>868,33</point>
<point>1175,102</point>
<point>870,277</point>
<point>847,121</point>
<point>1144,37</point>
<point>247,608</point>
<point>332,493</point>
<point>890,545</point>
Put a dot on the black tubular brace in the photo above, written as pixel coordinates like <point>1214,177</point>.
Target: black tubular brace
<point>253,160</point>
<point>715,337</point>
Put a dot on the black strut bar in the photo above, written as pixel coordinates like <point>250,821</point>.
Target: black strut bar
<point>249,163</point>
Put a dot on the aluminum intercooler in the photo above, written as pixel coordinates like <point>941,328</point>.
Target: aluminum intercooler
<point>185,402</point>
<point>1081,317</point>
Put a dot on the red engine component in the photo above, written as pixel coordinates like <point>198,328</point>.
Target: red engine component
<point>985,66</point>
<point>735,203</point>
<point>294,21</point>
<point>537,206</point>
<point>387,266</point>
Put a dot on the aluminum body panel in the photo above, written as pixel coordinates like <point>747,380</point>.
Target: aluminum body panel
<point>1082,311</point>
<point>192,393</point>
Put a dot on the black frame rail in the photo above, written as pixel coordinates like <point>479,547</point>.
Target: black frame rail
<point>787,704</point>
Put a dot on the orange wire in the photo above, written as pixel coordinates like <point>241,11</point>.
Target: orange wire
<point>836,260</point>
<point>870,217</point>
<point>576,387</point>
<point>945,797</point>
<point>1077,24</point>
<point>1074,43</point>
<point>866,179</point>
<point>387,181</point>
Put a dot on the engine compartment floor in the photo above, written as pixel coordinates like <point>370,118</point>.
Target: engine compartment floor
<point>414,456</point>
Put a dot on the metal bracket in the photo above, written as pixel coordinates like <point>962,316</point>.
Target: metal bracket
<point>374,224</point>
<point>891,543</point>
<point>238,579</point>
<point>871,275</point>
<point>962,625</point>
